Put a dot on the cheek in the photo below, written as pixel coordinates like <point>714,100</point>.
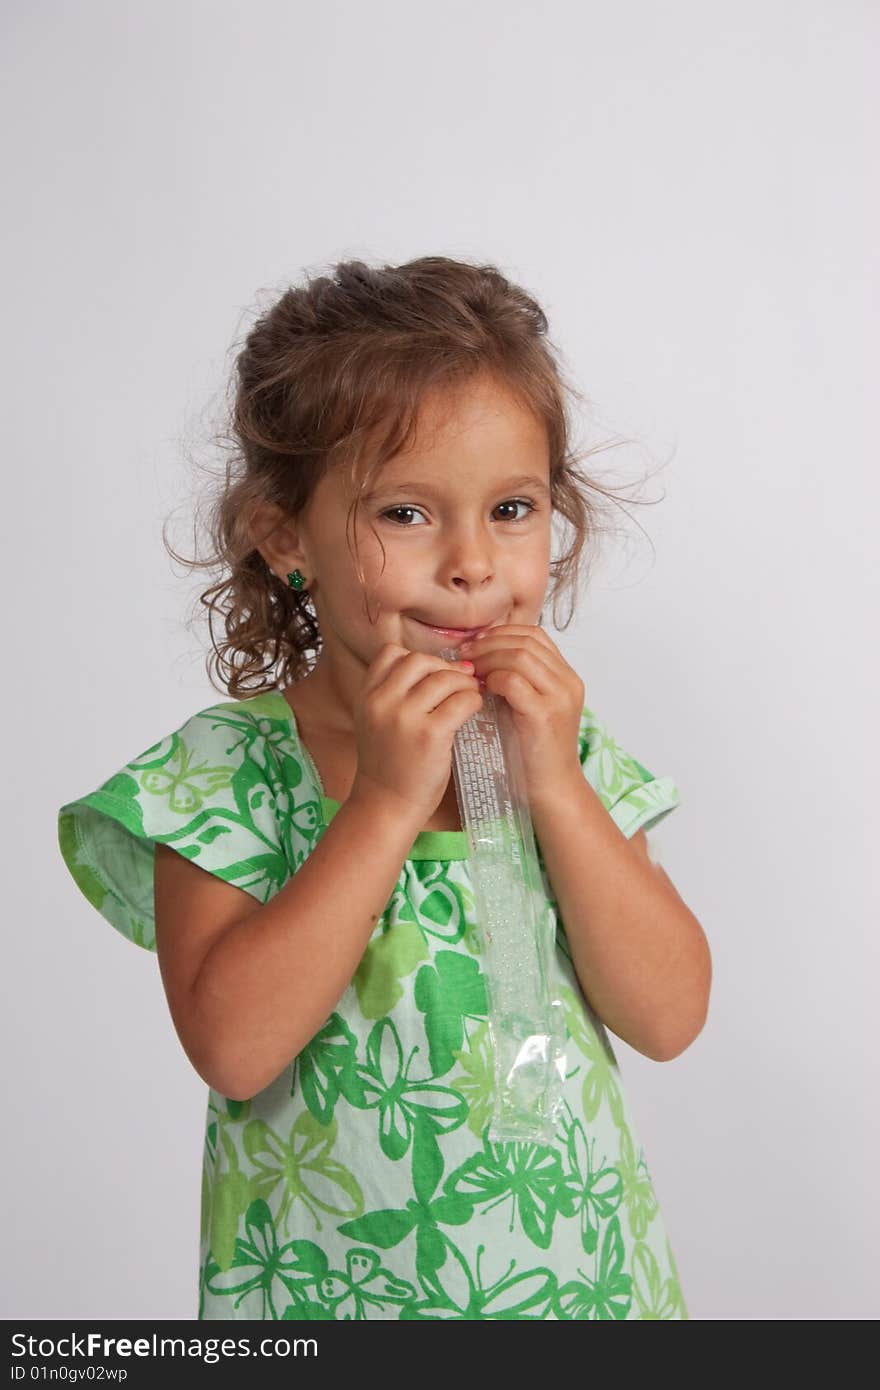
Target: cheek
<point>391,580</point>
<point>532,573</point>
<point>396,570</point>
<point>379,570</point>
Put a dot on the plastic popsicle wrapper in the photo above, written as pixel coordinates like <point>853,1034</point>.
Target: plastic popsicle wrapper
<point>516,926</point>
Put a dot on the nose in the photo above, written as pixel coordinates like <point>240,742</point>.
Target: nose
<point>470,559</point>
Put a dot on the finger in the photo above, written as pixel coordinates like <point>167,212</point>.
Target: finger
<point>410,668</point>
<point>388,656</point>
<point>437,687</point>
<point>530,664</point>
<point>493,634</point>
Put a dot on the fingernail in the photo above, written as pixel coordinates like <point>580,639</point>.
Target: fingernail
<point>468,664</point>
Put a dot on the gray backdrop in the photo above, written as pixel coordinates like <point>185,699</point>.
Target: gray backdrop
<point>686,188</point>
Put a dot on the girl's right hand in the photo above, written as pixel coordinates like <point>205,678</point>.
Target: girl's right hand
<point>412,705</point>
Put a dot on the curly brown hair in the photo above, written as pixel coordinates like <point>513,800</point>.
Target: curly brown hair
<point>333,374</point>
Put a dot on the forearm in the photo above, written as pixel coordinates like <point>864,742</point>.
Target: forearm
<point>639,953</point>
<point>271,982</point>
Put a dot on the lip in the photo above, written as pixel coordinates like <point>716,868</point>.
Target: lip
<point>456,632</point>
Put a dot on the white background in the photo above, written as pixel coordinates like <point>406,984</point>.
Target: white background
<point>689,189</point>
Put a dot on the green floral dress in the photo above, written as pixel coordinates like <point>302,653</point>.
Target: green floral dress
<point>362,1182</point>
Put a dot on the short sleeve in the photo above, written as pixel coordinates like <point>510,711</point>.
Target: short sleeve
<point>212,790</point>
<point>633,796</point>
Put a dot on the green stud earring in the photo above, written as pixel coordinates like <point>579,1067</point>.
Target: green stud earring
<point>295,579</point>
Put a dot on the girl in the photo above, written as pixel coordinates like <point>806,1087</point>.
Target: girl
<point>294,854</point>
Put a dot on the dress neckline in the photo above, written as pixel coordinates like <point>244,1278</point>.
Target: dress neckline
<point>428,844</point>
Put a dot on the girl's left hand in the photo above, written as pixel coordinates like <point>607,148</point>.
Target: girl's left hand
<point>546,698</point>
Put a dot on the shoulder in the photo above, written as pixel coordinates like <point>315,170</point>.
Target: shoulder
<point>634,796</point>
<point>221,789</point>
<point>193,764</point>
<point>235,761</point>
<point>216,745</point>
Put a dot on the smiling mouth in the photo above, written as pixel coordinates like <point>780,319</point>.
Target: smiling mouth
<point>454,631</point>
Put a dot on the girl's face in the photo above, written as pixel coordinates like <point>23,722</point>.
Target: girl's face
<point>465,521</point>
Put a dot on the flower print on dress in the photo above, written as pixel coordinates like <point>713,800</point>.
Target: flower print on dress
<point>606,1296</point>
<point>326,1069</point>
<point>528,1176</point>
<point>364,1172</point>
<point>639,1197</point>
<point>398,1100</point>
<point>366,1283</point>
<point>442,905</point>
<point>396,947</point>
<point>448,992</point>
<point>302,1168</point>
<point>598,1192</point>
<point>657,1298</point>
<point>614,769</point>
<point>454,1293</point>
<point>424,1213</point>
<point>232,1194</point>
<point>260,1266</point>
<point>174,774</point>
<point>601,1080</point>
<point>477,1085</point>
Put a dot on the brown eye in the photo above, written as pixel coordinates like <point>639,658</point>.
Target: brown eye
<point>393,510</point>
<point>517,502</point>
<point>392,513</point>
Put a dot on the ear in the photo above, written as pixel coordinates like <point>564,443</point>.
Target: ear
<point>277,537</point>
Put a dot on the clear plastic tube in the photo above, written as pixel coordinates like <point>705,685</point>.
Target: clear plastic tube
<point>516,927</point>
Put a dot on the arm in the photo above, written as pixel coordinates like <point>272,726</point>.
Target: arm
<point>639,953</point>
<point>249,987</point>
